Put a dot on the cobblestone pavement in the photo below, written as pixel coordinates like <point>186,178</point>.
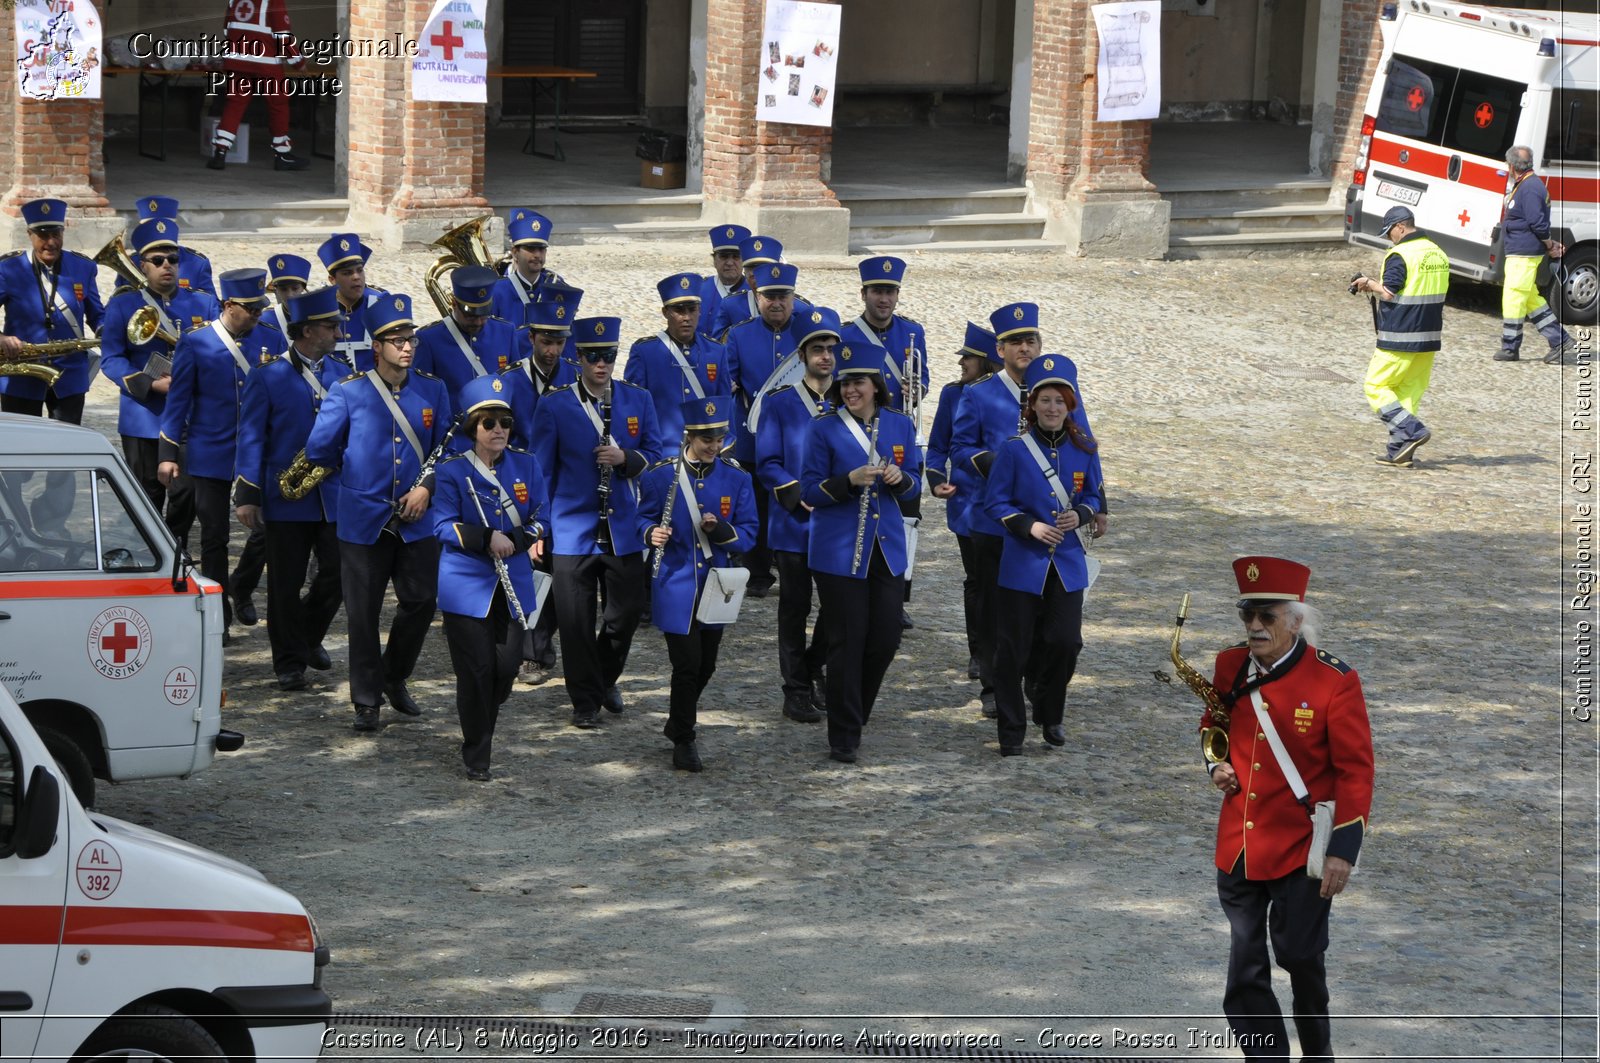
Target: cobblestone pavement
<point>935,881</point>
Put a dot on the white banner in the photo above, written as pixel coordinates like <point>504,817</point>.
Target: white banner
<point>59,51</point>
<point>1128,71</point>
<point>452,61</point>
<point>799,63</point>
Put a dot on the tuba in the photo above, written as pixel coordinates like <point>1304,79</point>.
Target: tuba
<point>1213,739</point>
<point>301,478</point>
<point>462,246</point>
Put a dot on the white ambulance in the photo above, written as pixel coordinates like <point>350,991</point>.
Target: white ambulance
<point>118,941</point>
<point>1456,87</point>
<point>112,647</point>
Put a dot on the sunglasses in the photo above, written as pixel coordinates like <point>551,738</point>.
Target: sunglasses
<point>1268,614</point>
<point>508,422</point>
<point>161,260</point>
<point>608,356</point>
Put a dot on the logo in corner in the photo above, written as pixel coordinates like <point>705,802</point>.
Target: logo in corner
<point>119,642</point>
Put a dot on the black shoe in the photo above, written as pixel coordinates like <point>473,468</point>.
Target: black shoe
<point>800,710</point>
<point>972,668</point>
<point>400,698</point>
<point>819,693</point>
<point>292,681</point>
<point>1507,356</point>
<point>320,659</point>
<point>905,621</point>
<point>843,756</point>
<point>1559,352</point>
<point>1407,449</point>
<point>1011,751</point>
<point>612,700</point>
<point>284,161</point>
<point>1056,734</point>
<point>366,718</point>
<point>686,758</point>
<point>479,774</point>
<point>227,637</point>
<point>586,720</point>
<point>987,706</point>
<point>218,160</point>
<point>244,611</point>
<point>758,588</point>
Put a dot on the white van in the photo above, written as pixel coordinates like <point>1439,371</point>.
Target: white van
<point>110,644</point>
<point>1456,87</point>
<point>118,941</point>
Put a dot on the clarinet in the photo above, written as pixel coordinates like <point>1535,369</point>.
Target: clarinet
<point>666,517</point>
<point>500,569</point>
<point>427,470</point>
<point>603,533</point>
<point>866,496</point>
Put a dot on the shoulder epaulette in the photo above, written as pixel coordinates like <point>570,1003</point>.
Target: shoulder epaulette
<point>1333,662</point>
<point>662,463</point>
<point>958,385</point>
<point>780,390</point>
<point>982,378</point>
<point>515,450</point>
<point>424,374</point>
<point>733,464</point>
<point>352,376</point>
<point>643,339</point>
<point>186,249</point>
<point>14,254</point>
<point>627,383</point>
<point>448,458</point>
<point>556,391</point>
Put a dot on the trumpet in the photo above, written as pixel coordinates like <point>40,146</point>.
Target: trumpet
<point>866,497</point>
<point>30,361</point>
<point>1213,739</point>
<point>462,246</point>
<point>301,478</point>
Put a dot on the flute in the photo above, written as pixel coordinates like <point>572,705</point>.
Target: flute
<point>666,517</point>
<point>866,496</point>
<point>500,568</point>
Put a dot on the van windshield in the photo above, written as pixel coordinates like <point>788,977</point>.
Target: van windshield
<point>1464,111</point>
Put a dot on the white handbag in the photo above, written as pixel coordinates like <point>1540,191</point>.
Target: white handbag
<point>723,595</point>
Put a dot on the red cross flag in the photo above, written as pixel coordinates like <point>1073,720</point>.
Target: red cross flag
<point>452,62</point>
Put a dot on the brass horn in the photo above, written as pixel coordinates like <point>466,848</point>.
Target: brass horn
<point>462,246</point>
<point>1213,739</point>
<point>114,256</point>
<point>145,325</point>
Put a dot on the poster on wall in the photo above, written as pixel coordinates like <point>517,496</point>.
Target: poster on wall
<point>1128,72</point>
<point>58,50</point>
<point>452,62</point>
<point>799,63</point>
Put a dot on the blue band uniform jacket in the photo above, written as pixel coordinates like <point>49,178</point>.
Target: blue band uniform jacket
<point>356,346</point>
<point>651,366</point>
<point>37,304</point>
<point>206,401</point>
<point>356,433</point>
<point>786,419</point>
<point>753,352</point>
<point>505,304</point>
<point>564,440</point>
<point>711,297</point>
<point>722,491</point>
<point>831,451</point>
<point>525,386</point>
<point>467,578</point>
<point>496,346</point>
<point>901,335</point>
<point>1321,716</point>
<point>942,469</point>
<point>279,411</point>
<point>139,413</point>
<point>1018,494</point>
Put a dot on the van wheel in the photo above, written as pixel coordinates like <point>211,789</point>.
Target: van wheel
<point>1575,290</point>
<point>151,1032</point>
<point>73,762</point>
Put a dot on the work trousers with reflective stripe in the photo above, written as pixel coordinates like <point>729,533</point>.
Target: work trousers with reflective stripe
<point>1520,299</point>
<point>1398,377</point>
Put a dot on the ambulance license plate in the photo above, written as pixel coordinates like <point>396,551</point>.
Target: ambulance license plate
<point>1400,193</point>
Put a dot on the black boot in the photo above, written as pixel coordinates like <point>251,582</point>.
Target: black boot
<point>283,160</point>
<point>218,160</point>
<point>686,758</point>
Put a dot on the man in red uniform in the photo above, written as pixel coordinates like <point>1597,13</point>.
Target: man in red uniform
<point>1313,701</point>
<point>259,43</point>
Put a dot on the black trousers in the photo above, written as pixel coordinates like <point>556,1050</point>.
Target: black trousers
<point>296,625</point>
<point>1039,638</point>
<point>863,634</point>
<point>213,505</point>
<point>797,662</point>
<point>365,574</point>
<point>1291,912</point>
<point>592,662</point>
<point>694,661</point>
<point>175,503</point>
<point>485,653</point>
<point>538,642</point>
<point>68,410</point>
<point>986,550</point>
<point>252,559</point>
<point>971,594</point>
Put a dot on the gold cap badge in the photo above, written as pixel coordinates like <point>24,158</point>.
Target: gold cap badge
<point>399,303</point>
<point>888,267</point>
<point>755,245</point>
<point>161,226</point>
<point>561,312</point>
<point>1017,313</point>
<point>1252,573</point>
<point>816,317</point>
<point>344,245</point>
<point>711,409</point>
<point>730,232</point>
<point>44,208</point>
<point>153,206</point>
<point>774,272</point>
<point>599,328</point>
<point>497,385</point>
<point>483,293</point>
<point>845,354</point>
<point>684,283</point>
<point>280,264</point>
<point>536,225</point>
<point>519,216</point>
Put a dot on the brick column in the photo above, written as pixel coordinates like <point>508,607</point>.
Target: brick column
<point>415,167</point>
<point>1087,177</point>
<point>55,151</point>
<point>1360,46</point>
<point>765,175</point>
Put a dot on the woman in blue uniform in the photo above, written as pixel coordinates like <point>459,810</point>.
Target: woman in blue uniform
<point>1044,485</point>
<point>489,505</point>
<point>862,469</point>
<point>712,518</point>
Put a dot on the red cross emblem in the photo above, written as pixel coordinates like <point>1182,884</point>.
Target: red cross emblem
<point>1416,98</point>
<point>1484,115</point>
<point>118,642</point>
<point>1463,217</point>
<point>448,41</point>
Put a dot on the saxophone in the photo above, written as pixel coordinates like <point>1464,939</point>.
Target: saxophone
<point>1213,739</point>
<point>301,477</point>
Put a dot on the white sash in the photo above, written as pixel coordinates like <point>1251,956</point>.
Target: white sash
<point>161,315</point>
<point>59,301</point>
<point>501,495</point>
<point>533,376</point>
<point>277,313</point>
<point>591,410</point>
<point>350,345</point>
<point>686,492</point>
<point>310,378</point>
<point>466,348</point>
<point>872,337</point>
<point>397,413</point>
<point>861,437</point>
<point>1091,564</point>
<point>232,346</point>
<point>1016,393</point>
<point>517,286</point>
<point>683,364</point>
<point>791,369</point>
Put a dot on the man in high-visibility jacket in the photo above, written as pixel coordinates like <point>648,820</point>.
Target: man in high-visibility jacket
<point>1408,311</point>
<point>1526,240</point>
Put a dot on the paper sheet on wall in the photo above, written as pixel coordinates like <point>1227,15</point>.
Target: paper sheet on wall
<point>59,50</point>
<point>452,62</point>
<point>799,63</point>
<point>1128,72</point>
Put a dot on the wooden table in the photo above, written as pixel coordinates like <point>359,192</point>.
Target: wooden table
<point>156,84</point>
<point>552,82</point>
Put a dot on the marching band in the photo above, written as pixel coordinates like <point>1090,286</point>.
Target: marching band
<point>500,466</point>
